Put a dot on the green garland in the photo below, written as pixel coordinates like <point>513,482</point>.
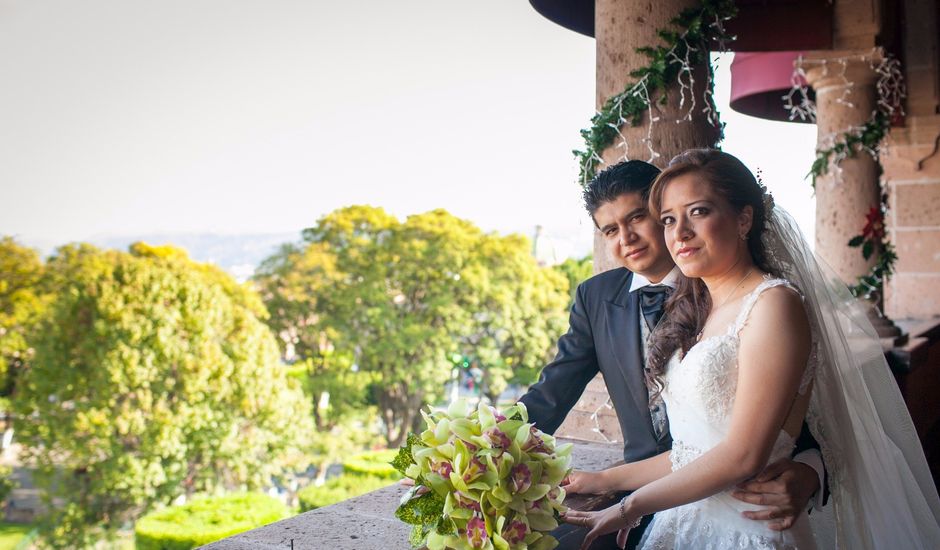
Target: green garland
<point>871,284</point>
<point>866,138</point>
<point>872,238</point>
<point>688,46</point>
<point>684,47</point>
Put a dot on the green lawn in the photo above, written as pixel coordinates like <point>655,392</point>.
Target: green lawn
<point>12,533</point>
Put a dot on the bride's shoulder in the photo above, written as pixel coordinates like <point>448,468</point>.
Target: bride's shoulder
<point>782,296</point>
<point>774,305</point>
<point>771,289</point>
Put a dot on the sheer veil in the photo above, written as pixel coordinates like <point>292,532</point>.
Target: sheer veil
<point>883,495</point>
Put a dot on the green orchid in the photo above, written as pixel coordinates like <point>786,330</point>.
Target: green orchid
<point>494,480</point>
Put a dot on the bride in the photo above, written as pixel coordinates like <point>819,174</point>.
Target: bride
<point>756,338</point>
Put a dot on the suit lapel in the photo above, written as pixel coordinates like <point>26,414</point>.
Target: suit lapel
<point>624,337</point>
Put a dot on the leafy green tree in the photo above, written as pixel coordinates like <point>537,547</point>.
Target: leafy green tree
<point>153,377</point>
<point>576,271</point>
<point>400,302</point>
<point>397,299</point>
<point>22,301</point>
<point>291,283</point>
<point>520,311</point>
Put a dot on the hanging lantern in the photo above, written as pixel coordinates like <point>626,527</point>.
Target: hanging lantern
<point>760,82</point>
<point>760,25</point>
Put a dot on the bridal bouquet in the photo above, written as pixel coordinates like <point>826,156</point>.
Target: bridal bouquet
<point>484,479</point>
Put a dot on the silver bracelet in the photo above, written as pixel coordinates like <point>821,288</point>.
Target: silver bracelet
<point>623,514</point>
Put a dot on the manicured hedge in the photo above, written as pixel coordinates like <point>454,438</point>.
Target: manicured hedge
<point>206,520</point>
<point>372,463</point>
<point>6,482</point>
<point>338,489</point>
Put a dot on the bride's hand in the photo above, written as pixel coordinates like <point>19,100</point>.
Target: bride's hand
<point>601,523</point>
<point>591,483</point>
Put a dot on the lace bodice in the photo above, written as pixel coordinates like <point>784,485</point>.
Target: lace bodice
<point>704,381</point>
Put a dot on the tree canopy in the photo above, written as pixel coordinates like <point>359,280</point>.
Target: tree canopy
<point>520,314</point>
<point>22,301</point>
<point>153,376</point>
<point>576,271</point>
<point>397,299</point>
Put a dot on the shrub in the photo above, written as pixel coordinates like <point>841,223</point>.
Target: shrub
<point>206,520</point>
<point>153,376</point>
<point>372,463</point>
<point>339,489</point>
<point>6,482</point>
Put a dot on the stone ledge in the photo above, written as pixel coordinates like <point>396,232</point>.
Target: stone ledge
<point>368,522</point>
<point>580,426</point>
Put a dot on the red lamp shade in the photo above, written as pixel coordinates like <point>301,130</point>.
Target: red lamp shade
<point>760,80</point>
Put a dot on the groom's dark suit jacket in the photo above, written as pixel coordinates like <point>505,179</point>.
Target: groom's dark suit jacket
<point>604,335</point>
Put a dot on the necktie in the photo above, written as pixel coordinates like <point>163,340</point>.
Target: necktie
<point>652,305</point>
<point>652,302</point>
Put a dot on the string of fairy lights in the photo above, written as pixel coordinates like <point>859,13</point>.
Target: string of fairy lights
<point>670,64</point>
<point>685,47</point>
<point>847,143</point>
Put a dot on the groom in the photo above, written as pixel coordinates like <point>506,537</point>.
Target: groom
<point>610,321</point>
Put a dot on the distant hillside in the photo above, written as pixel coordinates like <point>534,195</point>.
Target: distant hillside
<point>237,254</point>
<point>240,254</point>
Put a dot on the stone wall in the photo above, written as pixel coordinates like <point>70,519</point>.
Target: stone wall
<point>368,522</point>
<point>593,417</point>
<point>911,164</point>
<point>912,177</point>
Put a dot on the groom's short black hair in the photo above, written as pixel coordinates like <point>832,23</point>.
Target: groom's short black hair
<point>628,176</point>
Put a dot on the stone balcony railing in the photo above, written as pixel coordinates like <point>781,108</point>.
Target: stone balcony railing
<point>368,522</point>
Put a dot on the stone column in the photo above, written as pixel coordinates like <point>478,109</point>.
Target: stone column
<point>620,28</point>
<point>845,98</point>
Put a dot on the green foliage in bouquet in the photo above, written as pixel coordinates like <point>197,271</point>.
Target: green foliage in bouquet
<point>484,479</point>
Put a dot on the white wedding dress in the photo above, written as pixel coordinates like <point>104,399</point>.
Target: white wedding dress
<point>699,395</point>
<point>882,494</point>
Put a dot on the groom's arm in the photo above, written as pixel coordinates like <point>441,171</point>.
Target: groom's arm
<point>563,380</point>
<point>807,451</point>
<point>786,486</point>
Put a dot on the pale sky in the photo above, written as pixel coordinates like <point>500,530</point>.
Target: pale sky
<point>126,117</point>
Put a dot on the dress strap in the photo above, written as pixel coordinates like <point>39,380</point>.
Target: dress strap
<point>751,299</point>
<point>748,305</point>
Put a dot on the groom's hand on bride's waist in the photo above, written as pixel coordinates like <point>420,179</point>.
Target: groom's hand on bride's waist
<point>784,487</point>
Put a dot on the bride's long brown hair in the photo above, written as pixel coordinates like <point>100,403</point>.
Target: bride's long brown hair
<point>688,307</point>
